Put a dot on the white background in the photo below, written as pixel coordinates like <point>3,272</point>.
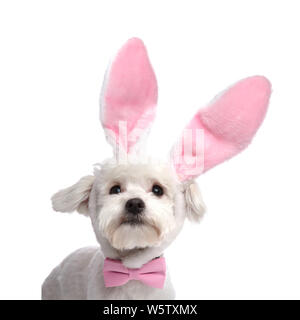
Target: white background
<point>53,57</point>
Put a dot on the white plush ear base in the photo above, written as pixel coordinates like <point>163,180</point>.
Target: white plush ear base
<point>75,197</point>
<point>194,203</point>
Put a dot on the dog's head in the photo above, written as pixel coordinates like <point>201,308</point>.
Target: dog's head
<point>133,205</point>
<point>138,204</point>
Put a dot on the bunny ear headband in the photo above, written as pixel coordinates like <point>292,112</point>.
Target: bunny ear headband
<point>216,133</point>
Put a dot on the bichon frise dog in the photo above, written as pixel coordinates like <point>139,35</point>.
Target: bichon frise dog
<point>138,207</point>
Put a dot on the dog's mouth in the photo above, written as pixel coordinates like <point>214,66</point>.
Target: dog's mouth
<point>132,220</point>
<point>133,231</point>
<point>139,221</point>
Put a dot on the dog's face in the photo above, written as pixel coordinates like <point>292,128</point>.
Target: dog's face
<point>133,205</point>
<point>137,204</point>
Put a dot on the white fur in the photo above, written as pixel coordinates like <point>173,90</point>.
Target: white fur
<point>79,276</point>
<point>75,197</point>
<point>195,206</point>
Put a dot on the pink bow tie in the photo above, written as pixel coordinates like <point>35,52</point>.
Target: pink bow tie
<point>153,273</point>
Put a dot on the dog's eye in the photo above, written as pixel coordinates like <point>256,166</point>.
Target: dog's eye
<point>157,190</point>
<point>115,189</point>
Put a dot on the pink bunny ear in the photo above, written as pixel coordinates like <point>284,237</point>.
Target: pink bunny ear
<point>222,129</point>
<point>129,96</point>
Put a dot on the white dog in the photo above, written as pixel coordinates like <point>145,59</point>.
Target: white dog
<point>137,208</point>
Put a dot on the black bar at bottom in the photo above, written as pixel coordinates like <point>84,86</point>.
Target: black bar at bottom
<point>186,309</point>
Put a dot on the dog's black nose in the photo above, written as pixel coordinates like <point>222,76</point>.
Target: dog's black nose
<point>135,205</point>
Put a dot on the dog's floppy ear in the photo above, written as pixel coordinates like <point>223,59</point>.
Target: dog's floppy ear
<point>75,197</point>
<point>195,206</point>
<point>129,97</point>
<point>222,129</point>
